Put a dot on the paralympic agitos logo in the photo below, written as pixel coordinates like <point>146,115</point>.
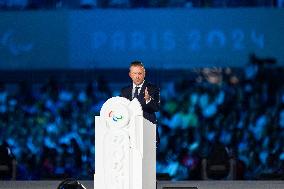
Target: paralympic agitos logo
<point>114,117</point>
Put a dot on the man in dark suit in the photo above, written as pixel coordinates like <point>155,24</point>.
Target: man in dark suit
<point>147,94</point>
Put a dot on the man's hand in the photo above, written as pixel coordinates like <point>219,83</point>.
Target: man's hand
<point>147,97</point>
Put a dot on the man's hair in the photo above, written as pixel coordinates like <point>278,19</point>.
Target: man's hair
<point>136,63</point>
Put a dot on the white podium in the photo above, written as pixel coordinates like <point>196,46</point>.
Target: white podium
<point>125,147</point>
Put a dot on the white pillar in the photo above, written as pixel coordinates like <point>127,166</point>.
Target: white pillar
<point>125,147</point>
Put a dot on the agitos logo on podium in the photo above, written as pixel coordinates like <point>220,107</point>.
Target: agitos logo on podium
<point>114,117</point>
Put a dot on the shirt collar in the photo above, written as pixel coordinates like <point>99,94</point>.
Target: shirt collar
<point>133,85</point>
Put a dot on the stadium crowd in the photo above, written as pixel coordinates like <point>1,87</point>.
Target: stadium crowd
<point>49,127</point>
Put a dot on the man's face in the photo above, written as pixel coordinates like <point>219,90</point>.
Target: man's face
<point>137,74</point>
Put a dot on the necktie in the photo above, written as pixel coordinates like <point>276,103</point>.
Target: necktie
<point>136,92</point>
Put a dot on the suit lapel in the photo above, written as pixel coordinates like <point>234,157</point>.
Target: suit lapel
<point>129,92</point>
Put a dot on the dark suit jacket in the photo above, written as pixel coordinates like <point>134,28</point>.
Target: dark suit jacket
<point>150,108</point>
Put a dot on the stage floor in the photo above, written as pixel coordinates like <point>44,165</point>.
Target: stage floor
<point>161,184</point>
<point>38,184</point>
<point>221,185</point>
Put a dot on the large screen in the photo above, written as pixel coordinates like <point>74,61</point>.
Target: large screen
<point>161,38</point>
